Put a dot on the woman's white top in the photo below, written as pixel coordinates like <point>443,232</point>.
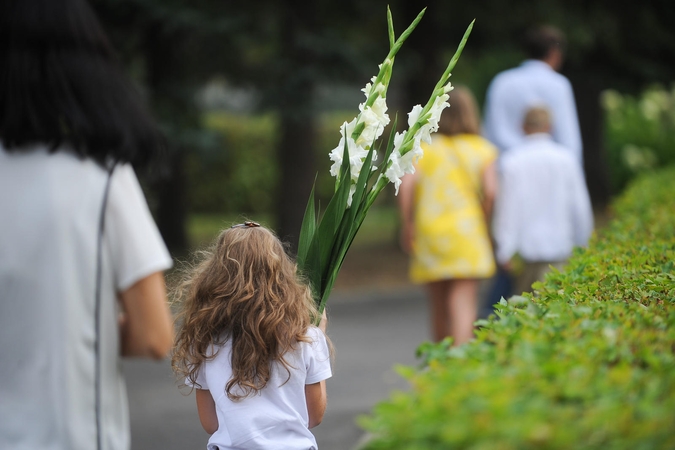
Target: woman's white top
<point>276,417</point>
<point>50,206</point>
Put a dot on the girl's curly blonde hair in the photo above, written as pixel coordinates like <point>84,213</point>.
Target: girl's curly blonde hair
<point>246,290</point>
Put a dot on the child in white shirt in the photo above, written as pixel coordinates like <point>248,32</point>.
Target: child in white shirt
<point>247,345</point>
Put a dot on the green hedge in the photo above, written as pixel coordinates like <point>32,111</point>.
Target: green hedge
<point>586,362</point>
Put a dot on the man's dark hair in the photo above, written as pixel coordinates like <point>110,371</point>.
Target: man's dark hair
<point>61,83</point>
<point>539,41</point>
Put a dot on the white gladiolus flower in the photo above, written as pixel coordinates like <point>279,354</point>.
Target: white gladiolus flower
<point>374,117</point>
<point>431,126</point>
<point>437,108</point>
<point>373,128</point>
<point>356,159</point>
<point>374,87</point>
<point>336,154</point>
<point>414,115</point>
<point>394,171</point>
<point>380,109</point>
<point>357,154</point>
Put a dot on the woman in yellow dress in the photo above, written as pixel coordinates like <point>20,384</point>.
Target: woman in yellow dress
<point>445,208</point>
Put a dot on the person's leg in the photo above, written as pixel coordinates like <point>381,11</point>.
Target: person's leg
<point>438,309</point>
<point>463,309</point>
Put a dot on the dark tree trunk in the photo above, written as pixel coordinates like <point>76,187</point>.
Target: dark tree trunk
<point>169,186</point>
<point>298,169</point>
<point>297,145</point>
<point>587,90</point>
<point>171,209</point>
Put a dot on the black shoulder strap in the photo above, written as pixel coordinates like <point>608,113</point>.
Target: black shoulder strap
<point>97,311</point>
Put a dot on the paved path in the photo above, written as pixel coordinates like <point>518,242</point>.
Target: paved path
<point>371,332</point>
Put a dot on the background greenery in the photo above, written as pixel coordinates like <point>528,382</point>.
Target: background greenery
<point>240,182</point>
<point>640,132</point>
<point>298,60</point>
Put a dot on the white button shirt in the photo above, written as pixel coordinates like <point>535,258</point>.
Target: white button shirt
<point>534,83</point>
<point>543,209</point>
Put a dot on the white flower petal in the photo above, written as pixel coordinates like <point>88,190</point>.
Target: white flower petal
<point>414,115</point>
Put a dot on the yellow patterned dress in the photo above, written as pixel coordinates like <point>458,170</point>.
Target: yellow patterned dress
<point>451,235</point>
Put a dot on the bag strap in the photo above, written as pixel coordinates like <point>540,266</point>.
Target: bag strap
<point>97,313</point>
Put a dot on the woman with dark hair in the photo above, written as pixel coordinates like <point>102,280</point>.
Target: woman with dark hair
<point>445,208</point>
<point>81,259</point>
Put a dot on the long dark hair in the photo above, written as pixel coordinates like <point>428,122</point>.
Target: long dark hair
<point>61,83</point>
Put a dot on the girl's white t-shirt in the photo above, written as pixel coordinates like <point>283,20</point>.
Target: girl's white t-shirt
<point>50,206</point>
<point>276,417</point>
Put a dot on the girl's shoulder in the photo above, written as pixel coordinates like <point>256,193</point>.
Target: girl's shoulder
<point>317,340</point>
<point>315,334</point>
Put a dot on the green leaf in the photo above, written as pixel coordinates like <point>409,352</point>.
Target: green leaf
<point>399,42</point>
<point>390,28</point>
<point>390,146</point>
<point>323,246</point>
<point>307,229</point>
<point>351,223</point>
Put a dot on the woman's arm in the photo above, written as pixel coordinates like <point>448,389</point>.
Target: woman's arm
<point>406,194</point>
<point>146,327</point>
<point>490,185</point>
<point>316,402</point>
<point>206,408</point>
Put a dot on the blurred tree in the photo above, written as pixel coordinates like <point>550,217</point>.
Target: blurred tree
<point>172,47</point>
<point>161,44</point>
<point>286,48</point>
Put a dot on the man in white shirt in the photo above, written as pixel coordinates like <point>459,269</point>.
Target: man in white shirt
<point>512,92</point>
<point>535,82</point>
<point>543,209</point>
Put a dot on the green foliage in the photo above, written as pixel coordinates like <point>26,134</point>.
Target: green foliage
<point>640,132</point>
<point>586,362</point>
<point>241,175</point>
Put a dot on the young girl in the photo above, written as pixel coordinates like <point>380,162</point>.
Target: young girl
<point>246,344</point>
<point>445,210</point>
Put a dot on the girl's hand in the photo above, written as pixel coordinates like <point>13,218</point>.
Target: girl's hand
<point>324,321</point>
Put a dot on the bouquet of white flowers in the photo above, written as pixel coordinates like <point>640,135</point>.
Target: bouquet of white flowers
<point>324,241</point>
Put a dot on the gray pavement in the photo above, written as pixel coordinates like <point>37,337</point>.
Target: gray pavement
<point>372,331</point>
